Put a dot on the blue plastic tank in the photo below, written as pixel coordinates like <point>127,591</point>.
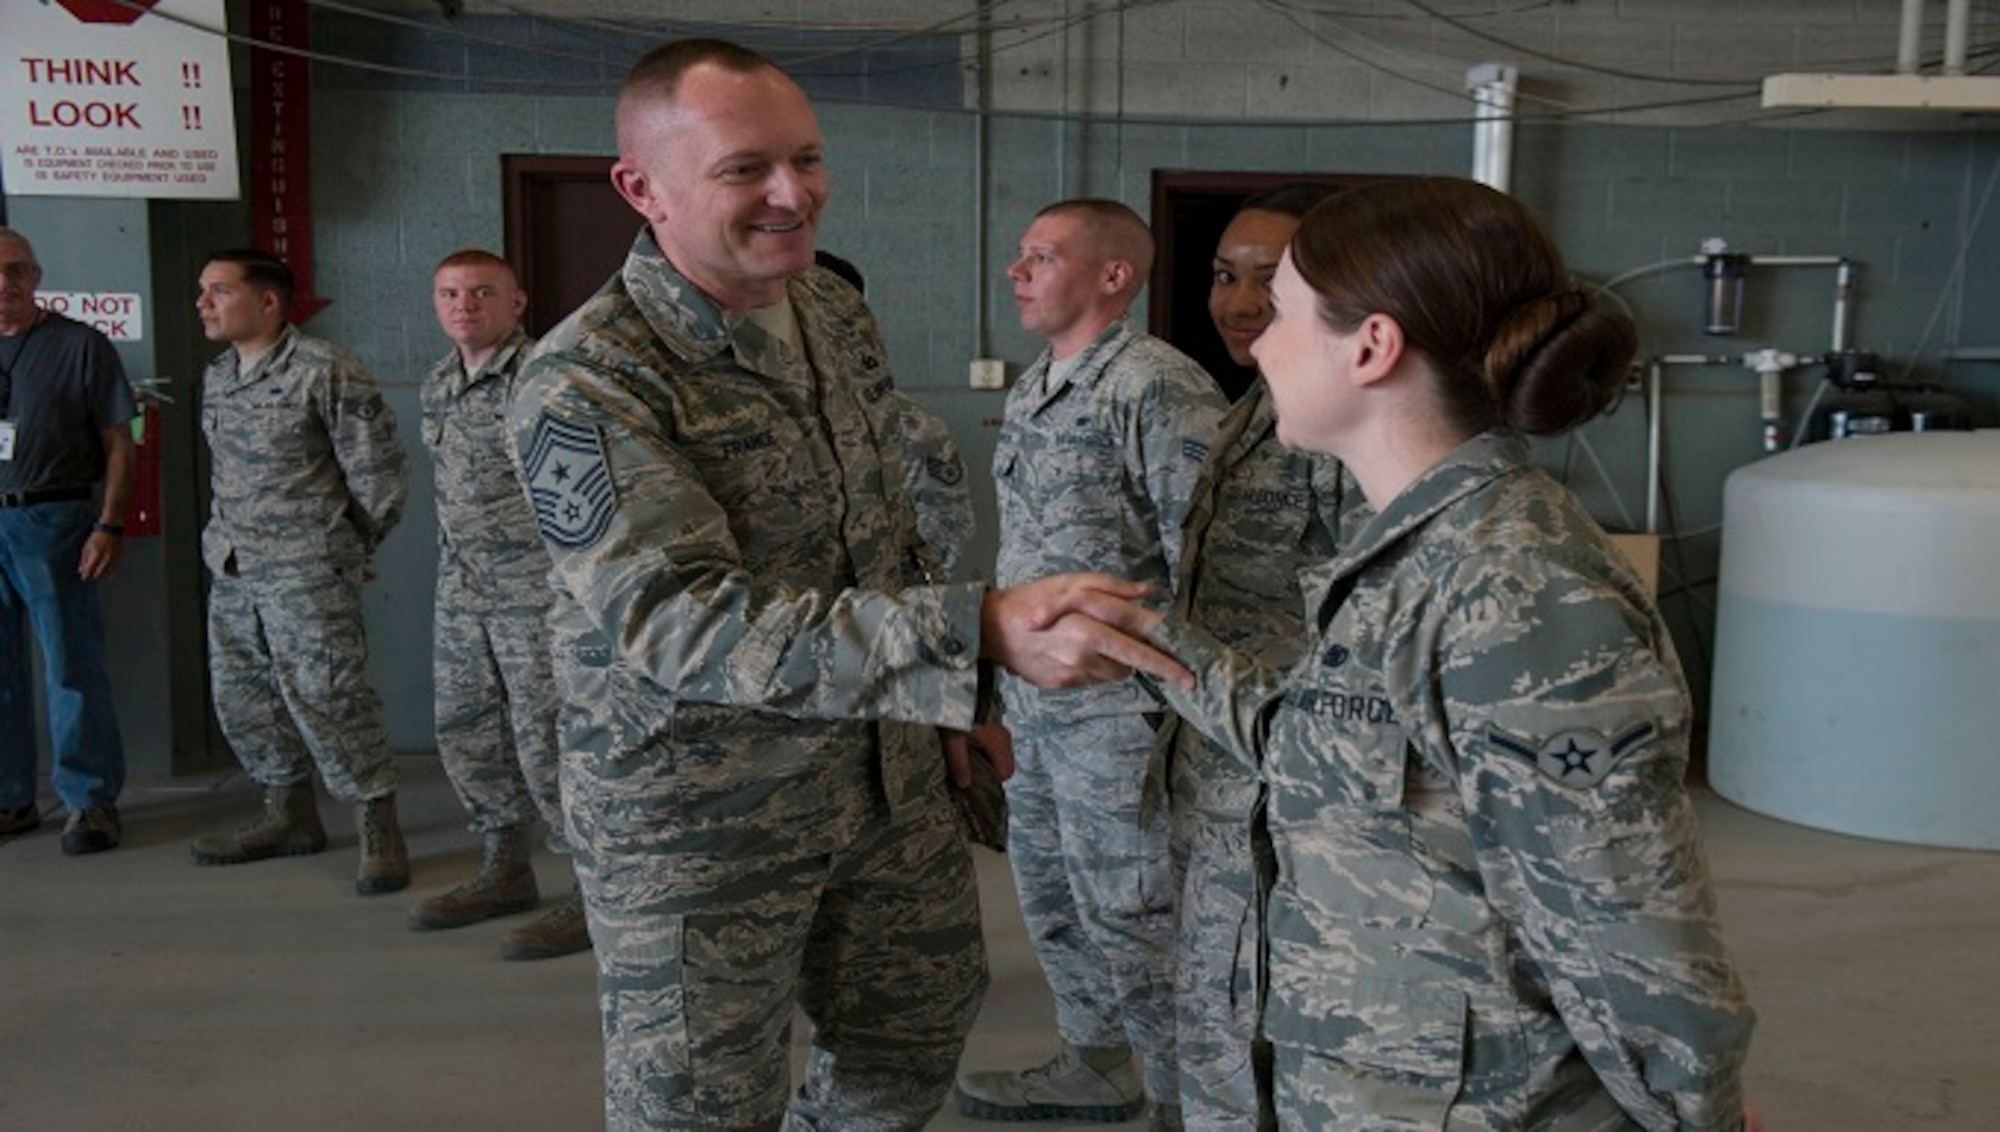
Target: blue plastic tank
<point>1857,667</point>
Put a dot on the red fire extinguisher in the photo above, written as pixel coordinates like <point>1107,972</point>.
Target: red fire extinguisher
<point>142,515</point>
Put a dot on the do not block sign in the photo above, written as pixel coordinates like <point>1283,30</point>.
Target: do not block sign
<point>118,314</point>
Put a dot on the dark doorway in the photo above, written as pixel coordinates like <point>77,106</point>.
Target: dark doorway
<point>1190,210</point>
<point>567,230</point>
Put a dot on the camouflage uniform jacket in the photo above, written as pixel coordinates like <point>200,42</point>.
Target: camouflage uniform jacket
<point>731,551</point>
<point>1096,472</point>
<point>305,465</point>
<point>934,477</point>
<point>485,529</point>
<point>1261,513</point>
<point>1491,909</point>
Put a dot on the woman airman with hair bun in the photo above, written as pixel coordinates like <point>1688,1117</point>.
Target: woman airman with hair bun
<point>1489,907</point>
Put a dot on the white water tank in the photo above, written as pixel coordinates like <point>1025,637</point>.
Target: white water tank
<point>1857,653</point>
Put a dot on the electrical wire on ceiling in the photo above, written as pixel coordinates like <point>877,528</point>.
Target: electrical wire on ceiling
<point>312,56</point>
<point>1017,32</point>
<point>1285,12</point>
<point>1523,49</point>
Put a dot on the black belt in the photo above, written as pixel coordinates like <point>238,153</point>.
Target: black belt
<point>42,495</point>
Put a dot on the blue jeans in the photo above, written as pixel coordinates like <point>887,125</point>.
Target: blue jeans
<point>40,546</point>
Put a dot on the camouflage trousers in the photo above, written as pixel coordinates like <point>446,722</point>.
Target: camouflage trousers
<point>1217,936</point>
<point>704,950</point>
<point>496,711</point>
<point>287,656</point>
<point>1092,868</point>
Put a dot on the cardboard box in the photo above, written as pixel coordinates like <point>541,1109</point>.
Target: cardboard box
<point>1643,551</point>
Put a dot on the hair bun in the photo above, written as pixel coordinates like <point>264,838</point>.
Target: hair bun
<point>1558,361</point>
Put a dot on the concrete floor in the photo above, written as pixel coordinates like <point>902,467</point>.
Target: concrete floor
<point>138,992</point>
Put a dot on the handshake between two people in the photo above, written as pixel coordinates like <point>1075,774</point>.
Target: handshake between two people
<point>1071,630</point>
<point>1062,631</point>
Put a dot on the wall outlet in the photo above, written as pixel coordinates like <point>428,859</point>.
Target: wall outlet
<point>989,373</point>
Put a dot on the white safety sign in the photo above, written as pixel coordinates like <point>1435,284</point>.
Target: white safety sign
<point>116,313</point>
<point>104,98</point>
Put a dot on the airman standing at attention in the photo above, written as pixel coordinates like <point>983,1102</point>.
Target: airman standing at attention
<point>308,479</point>
<point>496,696</point>
<point>1105,437</point>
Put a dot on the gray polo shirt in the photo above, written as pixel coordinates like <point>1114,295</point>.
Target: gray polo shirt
<point>63,383</point>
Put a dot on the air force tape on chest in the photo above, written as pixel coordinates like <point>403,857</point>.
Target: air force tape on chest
<point>1575,758</point>
<point>569,482</point>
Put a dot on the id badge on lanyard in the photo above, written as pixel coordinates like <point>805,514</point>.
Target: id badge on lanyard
<point>6,440</point>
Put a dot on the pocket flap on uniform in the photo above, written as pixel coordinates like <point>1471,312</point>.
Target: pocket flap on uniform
<point>1401,1028</point>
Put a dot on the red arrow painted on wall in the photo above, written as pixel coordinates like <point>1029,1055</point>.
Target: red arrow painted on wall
<point>107,11</point>
<point>281,145</point>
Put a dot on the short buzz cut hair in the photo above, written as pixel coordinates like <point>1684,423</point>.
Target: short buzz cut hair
<point>476,257</point>
<point>1116,232</point>
<point>658,73</point>
<point>261,270</point>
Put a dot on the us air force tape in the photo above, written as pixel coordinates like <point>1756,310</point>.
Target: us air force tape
<point>569,482</point>
<point>1575,758</point>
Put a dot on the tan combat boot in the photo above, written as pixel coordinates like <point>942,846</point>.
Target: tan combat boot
<point>505,884</point>
<point>289,828</point>
<point>562,930</point>
<point>385,860</point>
<point>1095,1085</point>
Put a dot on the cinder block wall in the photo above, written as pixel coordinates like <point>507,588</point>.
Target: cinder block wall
<point>408,168</point>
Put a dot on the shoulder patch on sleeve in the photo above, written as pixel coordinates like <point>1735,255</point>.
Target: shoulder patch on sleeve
<point>569,482</point>
<point>1575,758</point>
<point>946,472</point>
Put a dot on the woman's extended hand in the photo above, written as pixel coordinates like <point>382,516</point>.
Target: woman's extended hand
<point>1069,630</point>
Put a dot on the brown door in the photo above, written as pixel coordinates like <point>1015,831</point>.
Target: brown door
<point>567,230</point>
<point>1190,210</point>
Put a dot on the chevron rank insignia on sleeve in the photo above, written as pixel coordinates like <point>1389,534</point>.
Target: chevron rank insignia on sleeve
<point>569,482</point>
<point>1575,758</point>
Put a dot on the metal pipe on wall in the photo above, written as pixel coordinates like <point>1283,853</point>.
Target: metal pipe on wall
<point>982,288</point>
<point>1656,424</point>
<point>1492,86</point>
<point>1768,381</point>
<point>1957,17</point>
<point>1843,293</point>
<point>1909,38</point>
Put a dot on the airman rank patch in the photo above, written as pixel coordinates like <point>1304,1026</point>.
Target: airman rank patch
<point>946,472</point>
<point>569,482</point>
<point>1575,758</point>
